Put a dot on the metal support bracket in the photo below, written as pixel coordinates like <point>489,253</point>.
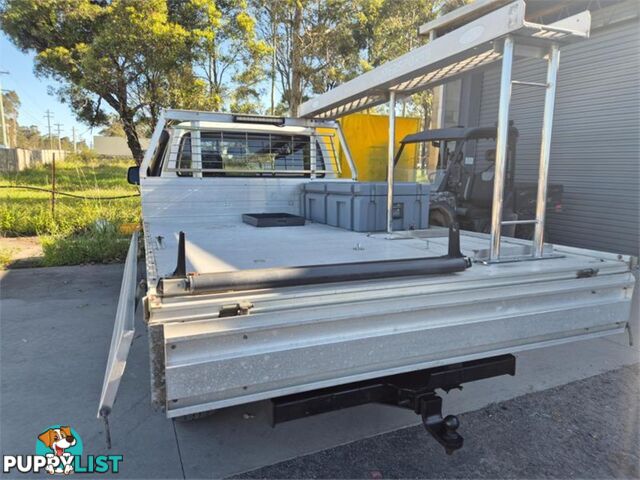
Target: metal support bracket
<point>181,264</point>
<point>235,309</point>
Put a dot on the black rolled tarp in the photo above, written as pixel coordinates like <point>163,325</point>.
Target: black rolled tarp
<point>261,278</point>
<point>317,274</point>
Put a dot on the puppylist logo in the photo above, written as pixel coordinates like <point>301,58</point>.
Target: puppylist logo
<point>59,451</point>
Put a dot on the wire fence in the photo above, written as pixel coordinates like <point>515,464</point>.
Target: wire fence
<point>67,194</point>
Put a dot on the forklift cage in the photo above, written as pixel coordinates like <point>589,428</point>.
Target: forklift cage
<point>503,33</point>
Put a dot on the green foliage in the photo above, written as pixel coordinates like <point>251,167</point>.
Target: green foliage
<point>113,127</point>
<point>6,256</point>
<point>227,52</point>
<point>101,243</point>
<point>319,45</point>
<point>89,226</point>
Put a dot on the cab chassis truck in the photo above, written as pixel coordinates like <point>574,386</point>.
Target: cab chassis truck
<point>315,317</point>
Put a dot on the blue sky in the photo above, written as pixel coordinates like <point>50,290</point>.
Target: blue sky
<point>33,93</point>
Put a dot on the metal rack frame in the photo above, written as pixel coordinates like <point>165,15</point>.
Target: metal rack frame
<point>503,33</point>
<point>193,120</point>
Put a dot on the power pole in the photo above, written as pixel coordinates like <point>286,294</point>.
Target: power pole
<point>73,133</point>
<point>49,115</point>
<point>2,119</point>
<point>59,144</point>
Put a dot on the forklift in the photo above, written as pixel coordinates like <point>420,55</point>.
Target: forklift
<point>463,180</point>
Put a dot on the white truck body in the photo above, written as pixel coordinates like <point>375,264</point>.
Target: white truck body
<point>297,339</point>
<point>214,349</point>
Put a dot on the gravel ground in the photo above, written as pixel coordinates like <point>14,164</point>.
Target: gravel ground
<point>586,429</point>
<point>24,251</point>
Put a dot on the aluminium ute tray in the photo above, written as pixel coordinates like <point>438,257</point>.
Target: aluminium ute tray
<point>272,220</point>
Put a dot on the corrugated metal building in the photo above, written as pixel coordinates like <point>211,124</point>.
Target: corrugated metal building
<point>595,151</point>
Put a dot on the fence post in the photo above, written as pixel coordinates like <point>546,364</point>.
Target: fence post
<point>53,185</point>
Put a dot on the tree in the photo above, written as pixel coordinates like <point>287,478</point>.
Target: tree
<point>227,52</point>
<point>317,45</point>
<point>127,54</point>
<point>11,104</point>
<point>313,48</point>
<point>389,30</point>
<point>29,137</point>
<point>275,28</point>
<point>113,128</point>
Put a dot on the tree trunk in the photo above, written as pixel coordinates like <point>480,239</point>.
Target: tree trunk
<point>273,61</point>
<point>132,137</point>
<point>295,95</point>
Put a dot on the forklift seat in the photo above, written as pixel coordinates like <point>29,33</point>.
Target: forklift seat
<point>479,191</point>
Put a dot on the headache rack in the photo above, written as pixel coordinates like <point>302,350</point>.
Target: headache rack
<point>503,33</point>
<point>212,144</point>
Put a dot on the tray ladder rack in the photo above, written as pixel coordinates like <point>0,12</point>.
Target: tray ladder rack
<point>504,34</point>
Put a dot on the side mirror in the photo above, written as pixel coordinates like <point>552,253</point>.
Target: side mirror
<point>133,175</point>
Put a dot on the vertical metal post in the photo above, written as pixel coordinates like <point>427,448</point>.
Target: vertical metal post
<point>502,140</point>
<point>153,145</point>
<point>390,155</point>
<point>312,154</point>
<point>196,149</point>
<point>347,153</point>
<point>545,149</point>
<point>53,186</point>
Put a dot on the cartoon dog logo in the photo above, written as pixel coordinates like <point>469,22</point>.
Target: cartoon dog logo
<point>58,439</point>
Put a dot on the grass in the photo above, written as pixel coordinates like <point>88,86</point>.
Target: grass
<point>79,231</point>
<point>6,255</point>
<point>101,243</point>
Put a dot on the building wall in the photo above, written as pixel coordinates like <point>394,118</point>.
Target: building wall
<point>18,159</point>
<point>115,146</point>
<point>595,151</point>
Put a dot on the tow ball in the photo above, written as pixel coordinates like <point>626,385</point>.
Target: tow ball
<point>444,430</point>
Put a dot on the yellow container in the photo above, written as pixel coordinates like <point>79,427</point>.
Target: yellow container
<point>367,137</point>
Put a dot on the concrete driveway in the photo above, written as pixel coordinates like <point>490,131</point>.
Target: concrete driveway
<point>55,329</point>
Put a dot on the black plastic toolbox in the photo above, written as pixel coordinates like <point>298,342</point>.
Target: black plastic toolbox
<point>272,219</point>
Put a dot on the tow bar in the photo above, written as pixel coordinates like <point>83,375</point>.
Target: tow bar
<point>412,390</point>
